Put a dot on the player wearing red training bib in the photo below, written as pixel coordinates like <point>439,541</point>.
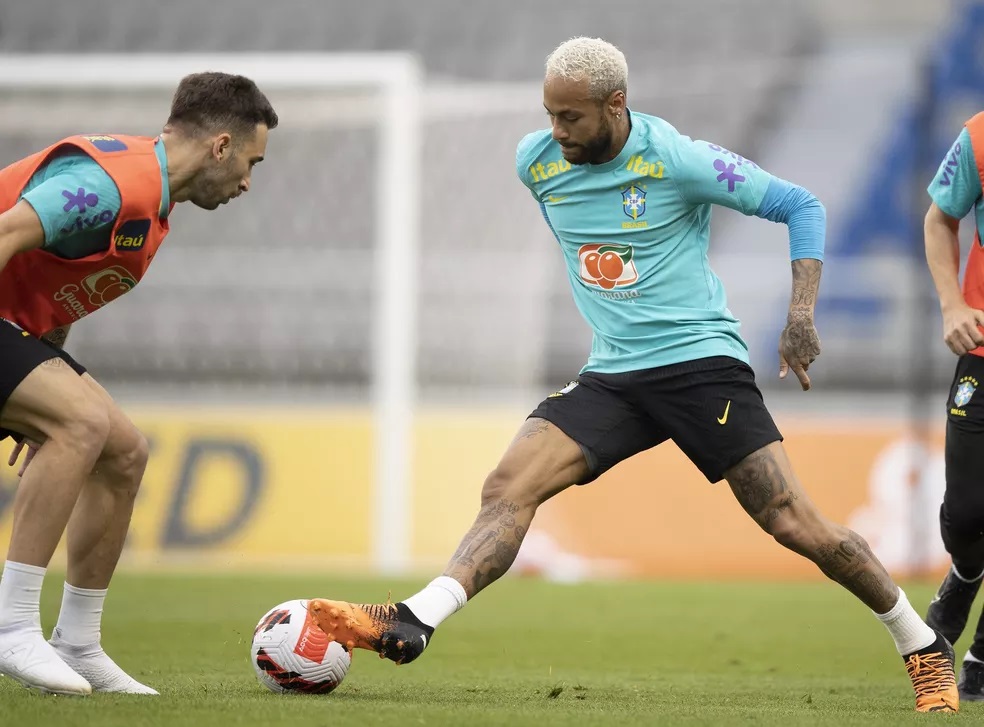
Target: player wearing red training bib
<point>80,222</point>
<point>956,191</point>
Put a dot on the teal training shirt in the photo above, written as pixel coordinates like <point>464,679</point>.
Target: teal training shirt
<point>634,233</point>
<point>956,188</point>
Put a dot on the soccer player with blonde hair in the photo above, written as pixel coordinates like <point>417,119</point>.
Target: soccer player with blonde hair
<point>628,199</point>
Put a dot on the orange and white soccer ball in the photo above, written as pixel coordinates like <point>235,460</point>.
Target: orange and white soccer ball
<point>290,653</point>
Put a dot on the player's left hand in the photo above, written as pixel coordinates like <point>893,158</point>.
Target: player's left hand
<point>32,449</point>
<point>799,346</point>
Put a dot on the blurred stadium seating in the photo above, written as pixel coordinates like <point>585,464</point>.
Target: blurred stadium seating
<point>286,276</point>
<point>288,292</point>
<point>272,297</point>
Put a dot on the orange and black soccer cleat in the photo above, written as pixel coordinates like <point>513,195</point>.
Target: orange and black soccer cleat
<point>391,630</point>
<point>933,679</point>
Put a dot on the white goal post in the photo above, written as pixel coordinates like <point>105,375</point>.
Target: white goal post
<point>398,79</point>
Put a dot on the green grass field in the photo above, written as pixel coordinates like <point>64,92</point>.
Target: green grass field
<point>524,653</point>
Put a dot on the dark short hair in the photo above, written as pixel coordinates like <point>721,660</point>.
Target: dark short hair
<point>212,100</point>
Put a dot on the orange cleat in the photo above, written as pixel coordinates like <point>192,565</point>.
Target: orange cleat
<point>933,678</point>
<point>391,630</point>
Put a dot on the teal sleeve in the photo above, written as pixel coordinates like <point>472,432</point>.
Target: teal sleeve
<point>705,173</point>
<point>957,186</point>
<point>71,195</point>
<point>801,212</point>
<point>524,158</point>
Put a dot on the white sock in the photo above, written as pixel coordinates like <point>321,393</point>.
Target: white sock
<point>907,628</point>
<point>970,657</point>
<point>20,594</point>
<point>442,597</point>
<point>80,618</point>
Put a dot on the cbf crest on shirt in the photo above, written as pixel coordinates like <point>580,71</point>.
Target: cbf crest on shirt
<point>634,232</point>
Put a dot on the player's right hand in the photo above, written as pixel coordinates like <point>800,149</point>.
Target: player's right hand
<point>32,449</point>
<point>961,329</point>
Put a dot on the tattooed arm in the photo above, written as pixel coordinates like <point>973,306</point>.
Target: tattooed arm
<point>706,173</point>
<point>799,344</point>
<point>806,218</point>
<point>57,336</point>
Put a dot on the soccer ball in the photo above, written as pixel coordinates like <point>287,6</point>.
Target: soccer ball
<point>290,653</point>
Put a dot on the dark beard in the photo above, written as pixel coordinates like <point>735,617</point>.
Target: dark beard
<point>596,150</point>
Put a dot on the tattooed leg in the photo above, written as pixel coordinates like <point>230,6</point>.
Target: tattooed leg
<point>540,462</point>
<point>491,545</point>
<point>767,489</point>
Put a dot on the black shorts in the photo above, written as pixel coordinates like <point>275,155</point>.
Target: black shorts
<point>710,407</point>
<point>962,512</point>
<point>965,405</point>
<point>20,354</point>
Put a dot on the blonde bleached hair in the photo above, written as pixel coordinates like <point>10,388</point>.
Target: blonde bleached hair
<point>592,59</point>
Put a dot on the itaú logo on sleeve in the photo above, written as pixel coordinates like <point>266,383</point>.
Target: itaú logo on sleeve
<point>607,265</point>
